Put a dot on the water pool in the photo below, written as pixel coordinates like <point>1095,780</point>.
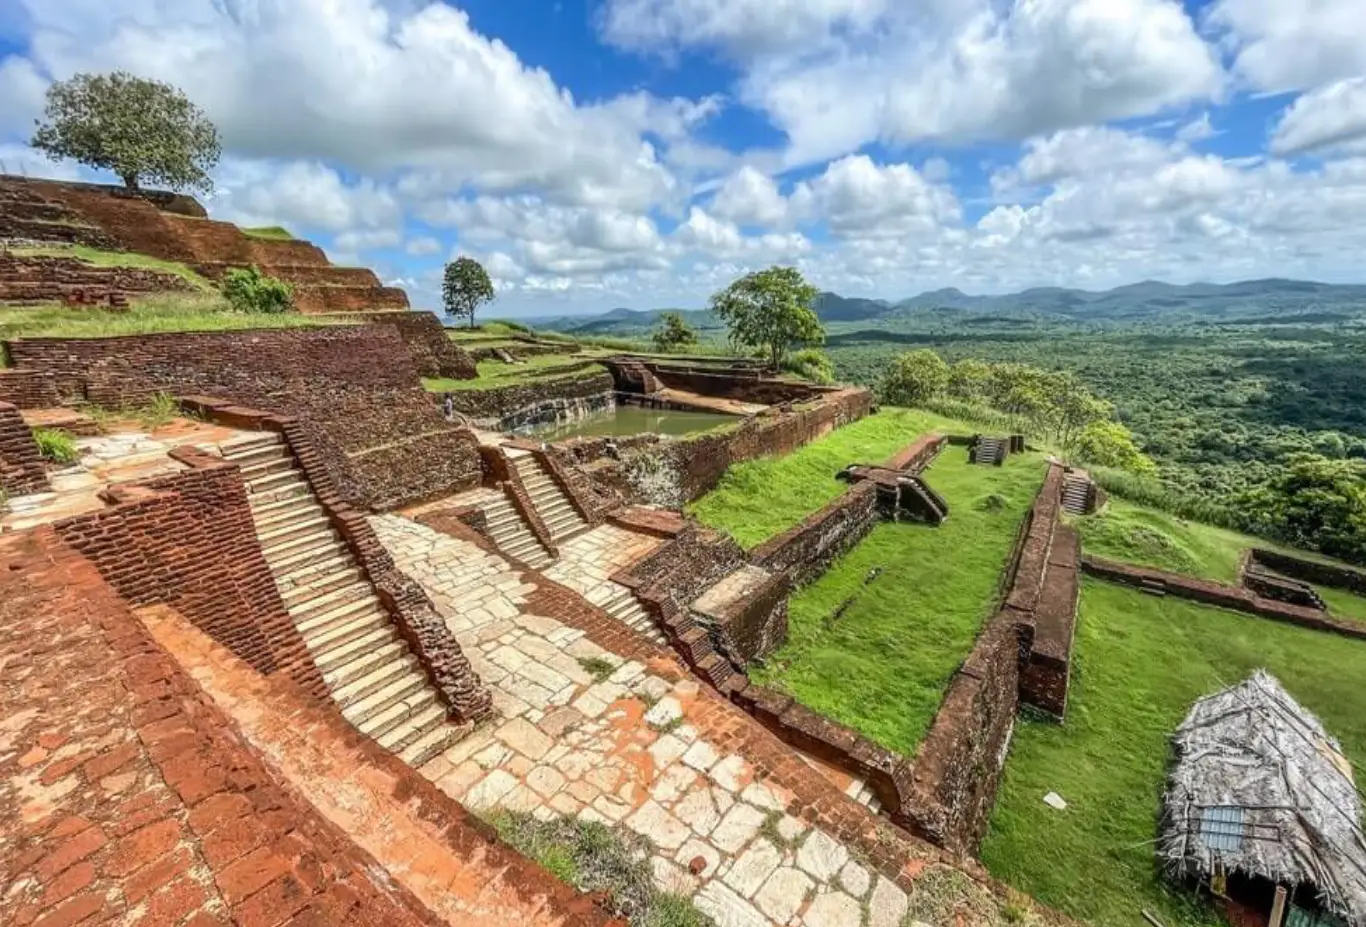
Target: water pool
<point>633,420</point>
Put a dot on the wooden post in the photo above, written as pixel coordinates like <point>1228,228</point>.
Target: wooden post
<point>1278,907</point>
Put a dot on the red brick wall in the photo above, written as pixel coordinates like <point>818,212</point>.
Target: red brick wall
<point>807,549</point>
<point>1311,571</point>
<point>146,806</point>
<point>434,354</point>
<point>1238,598</point>
<point>21,466</point>
<point>354,388</point>
<point>188,541</point>
<point>51,279</point>
<point>28,389</point>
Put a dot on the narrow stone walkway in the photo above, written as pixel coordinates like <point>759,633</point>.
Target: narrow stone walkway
<point>583,732</point>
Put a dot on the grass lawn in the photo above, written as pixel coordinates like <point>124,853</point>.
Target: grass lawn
<point>1342,603</point>
<point>494,374</point>
<point>268,232</point>
<point>760,498</point>
<point>1140,663</point>
<point>882,667</point>
<point>165,312</point>
<point>120,259</point>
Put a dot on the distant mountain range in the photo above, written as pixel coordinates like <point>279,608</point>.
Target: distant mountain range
<point>1149,300</point>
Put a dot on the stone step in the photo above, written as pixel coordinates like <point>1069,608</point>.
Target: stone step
<point>246,445</point>
<point>441,737</point>
<point>283,548</point>
<point>285,491</point>
<point>393,692</point>
<point>267,514</point>
<point>310,575</point>
<point>300,598</point>
<point>258,455</point>
<point>267,467</point>
<point>364,663</point>
<point>329,548</point>
<point>393,716</point>
<point>421,720</point>
<point>337,615</point>
<point>298,527</point>
<point>339,657</point>
<point>355,627</point>
<point>305,606</point>
<point>372,682</point>
<point>274,481</point>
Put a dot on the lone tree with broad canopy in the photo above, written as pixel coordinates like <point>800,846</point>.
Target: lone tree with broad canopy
<point>466,287</point>
<point>770,310</point>
<point>673,333</point>
<point>144,131</point>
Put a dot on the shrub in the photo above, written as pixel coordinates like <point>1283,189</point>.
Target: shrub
<point>56,446</point>
<point>250,290</point>
<point>811,364</point>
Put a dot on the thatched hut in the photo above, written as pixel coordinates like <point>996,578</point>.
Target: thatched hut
<point>1262,807</point>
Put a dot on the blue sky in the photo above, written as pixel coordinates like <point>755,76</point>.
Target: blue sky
<point>602,153</point>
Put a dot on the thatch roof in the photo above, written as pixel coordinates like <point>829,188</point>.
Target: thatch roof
<point>1260,788</point>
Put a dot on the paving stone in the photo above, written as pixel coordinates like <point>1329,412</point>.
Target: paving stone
<point>760,796</point>
<point>671,786</point>
<point>670,877</point>
<point>753,868</point>
<point>732,773</point>
<point>888,905</point>
<point>791,829</point>
<point>667,749</point>
<point>855,879</point>
<point>664,713</point>
<point>545,781</point>
<point>727,908</point>
<point>524,737</point>
<point>698,811</point>
<point>564,803</point>
<point>654,822</point>
<point>610,808</point>
<point>543,675</point>
<point>574,764</point>
<point>487,792</point>
<point>821,857</point>
<point>520,798</point>
<point>783,894</point>
<point>700,756</point>
<point>696,848</point>
<point>835,909</point>
<point>560,720</point>
<point>738,827</point>
<point>651,687</point>
<point>456,782</point>
<point>493,756</point>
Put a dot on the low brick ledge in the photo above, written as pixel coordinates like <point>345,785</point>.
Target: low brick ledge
<point>1208,592</point>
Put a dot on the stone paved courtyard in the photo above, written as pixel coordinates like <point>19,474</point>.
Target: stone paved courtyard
<point>581,731</point>
<point>588,561</point>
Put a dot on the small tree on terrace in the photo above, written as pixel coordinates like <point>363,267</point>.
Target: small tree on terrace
<point>673,333</point>
<point>466,287</point>
<point>142,130</point>
<point>915,377</point>
<point>771,310</point>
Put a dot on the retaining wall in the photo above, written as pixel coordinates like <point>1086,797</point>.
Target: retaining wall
<point>434,354</point>
<point>807,549</point>
<point>53,279</point>
<point>354,388</point>
<point>1311,571</point>
<point>527,403</point>
<point>1238,598</point>
<point>188,541</point>
<point>21,465</point>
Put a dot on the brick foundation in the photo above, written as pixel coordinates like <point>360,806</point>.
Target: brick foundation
<point>28,389</point>
<point>21,465</point>
<point>806,550</point>
<point>51,279</point>
<point>354,387</point>
<point>1238,598</point>
<point>434,354</point>
<point>1310,571</point>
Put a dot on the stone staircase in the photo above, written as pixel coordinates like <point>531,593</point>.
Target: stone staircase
<point>556,511</point>
<point>373,677</point>
<point>623,606</point>
<point>511,534</point>
<point>990,451</point>
<point>1078,495</point>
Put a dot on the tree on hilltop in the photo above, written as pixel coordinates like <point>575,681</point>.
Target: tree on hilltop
<point>770,310</point>
<point>465,288</point>
<point>145,131</point>
<point>673,333</point>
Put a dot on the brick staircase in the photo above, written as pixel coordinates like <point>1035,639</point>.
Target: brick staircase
<point>554,507</point>
<point>1078,495</point>
<point>511,534</point>
<point>623,606</point>
<point>373,677</point>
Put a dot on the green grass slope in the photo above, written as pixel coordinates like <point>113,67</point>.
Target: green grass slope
<point>1140,663</point>
<point>881,667</point>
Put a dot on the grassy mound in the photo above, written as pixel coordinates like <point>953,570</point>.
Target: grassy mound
<point>268,233</point>
<point>120,259</point>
